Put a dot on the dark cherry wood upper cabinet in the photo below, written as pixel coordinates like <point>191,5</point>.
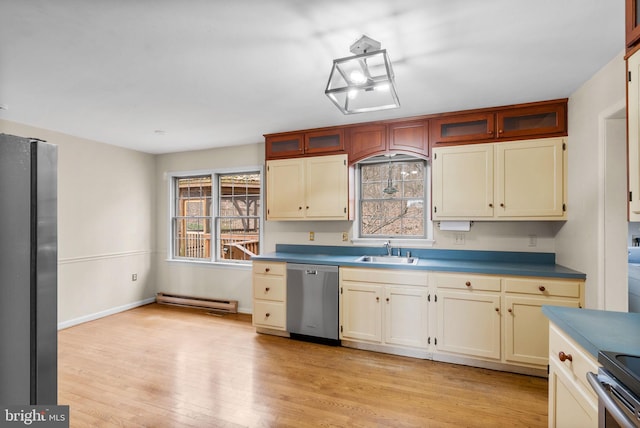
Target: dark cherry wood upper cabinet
<point>366,140</point>
<point>544,119</point>
<point>417,135</point>
<point>325,141</point>
<point>632,18</point>
<point>301,143</point>
<point>410,136</point>
<point>284,145</point>
<point>467,128</point>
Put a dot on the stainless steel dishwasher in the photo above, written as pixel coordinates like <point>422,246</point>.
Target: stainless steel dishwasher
<point>312,301</point>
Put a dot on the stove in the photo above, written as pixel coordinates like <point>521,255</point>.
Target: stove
<point>625,368</point>
<point>617,385</point>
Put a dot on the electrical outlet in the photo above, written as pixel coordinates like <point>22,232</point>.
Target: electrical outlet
<point>459,239</point>
<point>345,236</point>
<point>134,277</point>
<point>312,236</point>
<point>533,240</point>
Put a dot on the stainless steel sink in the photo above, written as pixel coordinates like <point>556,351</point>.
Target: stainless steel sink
<point>390,260</point>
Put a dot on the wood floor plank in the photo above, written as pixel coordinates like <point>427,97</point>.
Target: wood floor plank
<point>165,366</point>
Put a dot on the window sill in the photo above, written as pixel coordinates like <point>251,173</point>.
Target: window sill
<point>208,263</point>
<point>395,243</point>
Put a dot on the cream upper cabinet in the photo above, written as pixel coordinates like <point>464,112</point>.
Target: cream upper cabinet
<point>312,188</point>
<point>520,180</point>
<point>530,178</point>
<point>633,135</point>
<point>462,181</point>
<point>285,189</point>
<point>326,180</point>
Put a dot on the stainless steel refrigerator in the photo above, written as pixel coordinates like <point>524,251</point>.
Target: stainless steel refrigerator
<point>28,272</point>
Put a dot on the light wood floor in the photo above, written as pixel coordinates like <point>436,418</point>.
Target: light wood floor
<point>163,366</point>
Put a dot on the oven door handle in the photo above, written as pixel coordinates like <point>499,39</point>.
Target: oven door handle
<point>612,407</point>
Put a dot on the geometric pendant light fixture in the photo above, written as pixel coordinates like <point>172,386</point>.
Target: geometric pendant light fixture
<point>363,82</point>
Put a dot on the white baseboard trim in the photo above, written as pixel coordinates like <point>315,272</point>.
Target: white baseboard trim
<point>102,314</point>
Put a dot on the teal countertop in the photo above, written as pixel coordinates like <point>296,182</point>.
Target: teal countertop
<point>597,330</point>
<point>486,262</point>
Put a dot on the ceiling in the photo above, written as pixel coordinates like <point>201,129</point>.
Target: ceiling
<point>163,76</point>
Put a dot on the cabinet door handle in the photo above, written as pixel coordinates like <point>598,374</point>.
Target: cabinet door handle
<point>510,310</point>
<point>377,299</point>
<point>541,288</point>
<point>490,205</point>
<point>564,357</point>
<point>497,309</point>
<point>299,208</point>
<point>468,283</point>
<point>266,289</point>
<point>267,270</point>
<point>500,131</point>
<point>267,315</point>
<point>307,207</point>
<point>387,299</point>
<point>502,205</point>
<point>489,131</point>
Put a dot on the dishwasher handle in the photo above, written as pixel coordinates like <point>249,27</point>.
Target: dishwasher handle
<point>609,404</point>
<point>310,272</point>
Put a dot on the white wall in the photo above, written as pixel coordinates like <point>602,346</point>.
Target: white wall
<point>497,236</point>
<point>106,211</point>
<point>192,279</point>
<point>580,241</point>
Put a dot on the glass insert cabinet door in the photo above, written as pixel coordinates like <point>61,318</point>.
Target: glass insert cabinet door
<point>467,127</point>
<point>529,121</point>
<point>540,120</point>
<point>632,22</point>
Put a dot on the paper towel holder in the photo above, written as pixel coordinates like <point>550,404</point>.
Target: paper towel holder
<point>456,226</point>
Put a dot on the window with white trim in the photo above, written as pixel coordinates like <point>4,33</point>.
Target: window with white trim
<point>393,198</point>
<point>216,216</point>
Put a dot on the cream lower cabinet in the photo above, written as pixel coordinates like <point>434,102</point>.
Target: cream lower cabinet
<point>526,331</point>
<point>361,311</point>
<point>572,402</point>
<point>468,314</point>
<point>519,180</point>
<point>269,295</point>
<point>386,307</point>
<point>498,319</point>
<point>312,188</point>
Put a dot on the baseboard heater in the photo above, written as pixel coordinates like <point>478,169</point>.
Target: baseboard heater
<point>221,305</point>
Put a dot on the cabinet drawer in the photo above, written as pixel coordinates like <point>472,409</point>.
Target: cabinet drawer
<point>542,287</point>
<point>269,268</point>
<point>466,282</point>
<point>269,288</point>
<point>269,314</point>
<point>384,276</point>
<point>581,361</point>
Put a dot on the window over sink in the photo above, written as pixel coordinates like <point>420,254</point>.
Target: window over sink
<point>393,202</point>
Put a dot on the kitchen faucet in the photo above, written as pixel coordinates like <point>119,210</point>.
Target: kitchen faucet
<point>387,245</point>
